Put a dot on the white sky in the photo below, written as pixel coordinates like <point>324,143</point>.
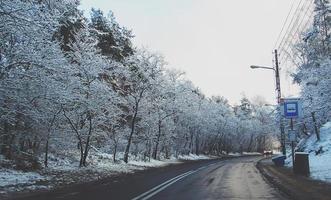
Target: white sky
<point>213,41</point>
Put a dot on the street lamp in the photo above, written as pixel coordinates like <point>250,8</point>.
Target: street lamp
<point>276,70</point>
<point>256,67</point>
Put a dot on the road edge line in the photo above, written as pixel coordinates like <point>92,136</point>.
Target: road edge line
<point>167,185</point>
<point>160,185</point>
<point>148,194</point>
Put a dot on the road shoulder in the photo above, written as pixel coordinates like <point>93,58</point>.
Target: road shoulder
<point>115,181</point>
<point>296,187</point>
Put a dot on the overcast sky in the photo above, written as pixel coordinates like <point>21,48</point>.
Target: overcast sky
<point>213,41</point>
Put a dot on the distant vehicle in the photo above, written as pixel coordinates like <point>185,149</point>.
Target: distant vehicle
<point>267,152</point>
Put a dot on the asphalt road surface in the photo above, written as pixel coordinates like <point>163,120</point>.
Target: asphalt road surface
<point>231,179</point>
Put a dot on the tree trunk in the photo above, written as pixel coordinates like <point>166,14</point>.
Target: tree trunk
<point>157,140</point>
<point>5,147</point>
<point>249,148</point>
<point>87,145</point>
<point>167,152</point>
<point>149,151</point>
<point>81,149</point>
<point>48,136</point>
<point>197,144</point>
<point>185,144</point>
<point>133,122</point>
<point>315,126</point>
<point>191,143</point>
<point>115,151</point>
<point>80,141</point>
<point>46,154</point>
<point>81,153</point>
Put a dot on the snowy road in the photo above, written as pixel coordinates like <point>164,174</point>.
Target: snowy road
<point>231,179</point>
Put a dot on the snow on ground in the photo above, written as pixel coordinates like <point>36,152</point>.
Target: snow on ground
<point>10,177</point>
<point>252,153</point>
<point>154,163</point>
<point>246,154</point>
<point>63,170</point>
<point>234,154</point>
<point>193,157</point>
<point>14,180</point>
<point>104,162</point>
<point>319,154</point>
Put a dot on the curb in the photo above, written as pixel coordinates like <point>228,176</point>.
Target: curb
<point>287,192</point>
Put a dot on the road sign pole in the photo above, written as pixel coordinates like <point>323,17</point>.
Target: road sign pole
<point>292,110</point>
<point>282,136</point>
<point>292,144</point>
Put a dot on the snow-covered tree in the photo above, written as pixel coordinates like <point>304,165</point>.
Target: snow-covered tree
<point>114,41</point>
<point>68,83</point>
<point>313,73</point>
<point>29,60</point>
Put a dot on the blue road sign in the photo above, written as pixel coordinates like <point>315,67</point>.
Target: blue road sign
<point>291,108</point>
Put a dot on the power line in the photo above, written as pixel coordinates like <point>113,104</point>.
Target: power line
<point>290,24</point>
<point>304,27</point>
<point>285,22</point>
<point>301,27</point>
<point>292,36</point>
<point>296,21</point>
<point>288,39</point>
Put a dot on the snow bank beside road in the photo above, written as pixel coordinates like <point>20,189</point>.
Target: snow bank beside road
<point>193,157</point>
<point>12,177</point>
<point>13,181</point>
<point>63,170</point>
<point>245,154</point>
<point>319,153</point>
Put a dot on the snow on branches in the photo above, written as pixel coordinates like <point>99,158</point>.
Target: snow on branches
<point>74,86</point>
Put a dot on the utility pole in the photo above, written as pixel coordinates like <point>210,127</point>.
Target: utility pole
<point>282,129</point>
<point>279,100</point>
<point>277,77</point>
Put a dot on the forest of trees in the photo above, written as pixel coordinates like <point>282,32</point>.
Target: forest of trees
<point>71,83</point>
<point>313,74</point>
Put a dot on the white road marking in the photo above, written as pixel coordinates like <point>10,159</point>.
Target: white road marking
<point>157,187</point>
<point>200,168</point>
<point>150,193</point>
<point>165,186</point>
